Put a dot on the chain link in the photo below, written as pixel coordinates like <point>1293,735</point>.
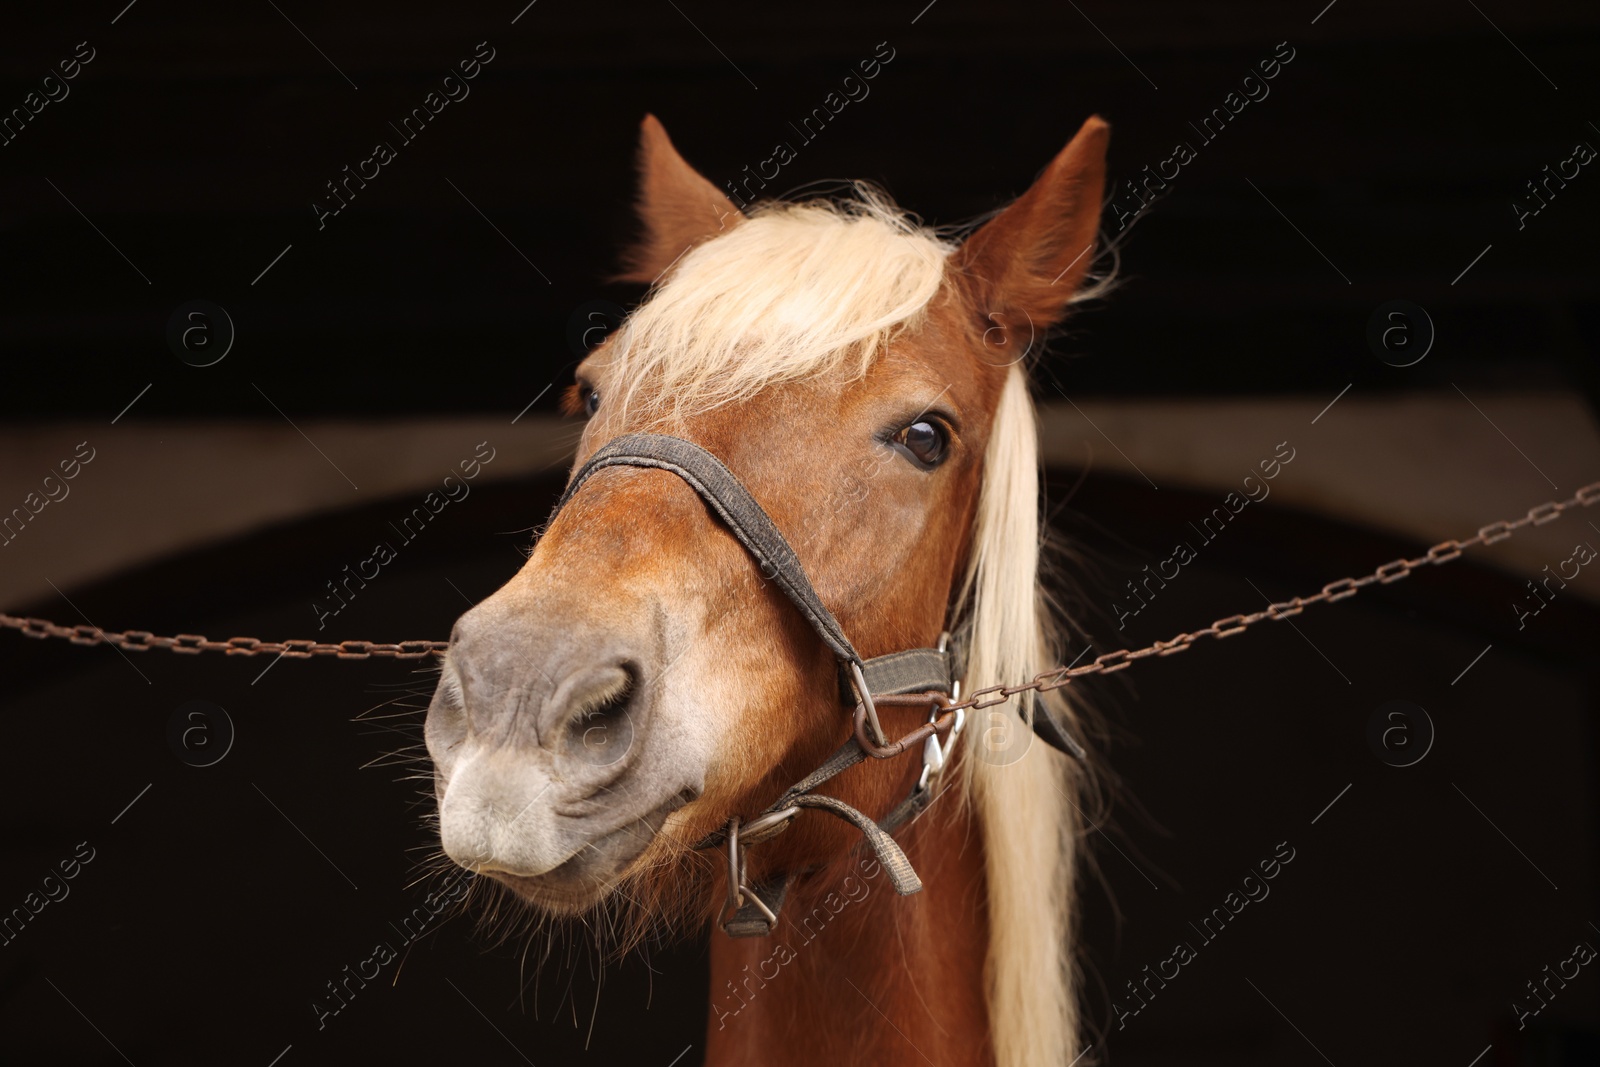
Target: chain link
<point>1055,678</point>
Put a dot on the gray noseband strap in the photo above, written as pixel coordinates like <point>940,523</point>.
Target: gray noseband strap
<point>733,503</point>
<point>916,670</point>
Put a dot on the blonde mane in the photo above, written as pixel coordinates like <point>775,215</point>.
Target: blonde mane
<point>800,289</point>
<point>1021,788</point>
<point>793,291</point>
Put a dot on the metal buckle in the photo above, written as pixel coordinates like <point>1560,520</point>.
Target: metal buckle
<point>759,828</point>
<point>936,757</point>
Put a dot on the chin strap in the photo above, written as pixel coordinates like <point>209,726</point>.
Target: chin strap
<point>920,677</point>
<point>755,907</point>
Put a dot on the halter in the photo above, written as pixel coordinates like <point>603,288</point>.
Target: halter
<point>917,677</point>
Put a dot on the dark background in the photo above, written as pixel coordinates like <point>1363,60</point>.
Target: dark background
<point>199,137</point>
<point>1396,141</point>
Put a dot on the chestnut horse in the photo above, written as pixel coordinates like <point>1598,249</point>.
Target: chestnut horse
<point>642,680</point>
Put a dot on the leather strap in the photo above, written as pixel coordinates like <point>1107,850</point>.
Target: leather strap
<point>916,670</point>
<point>1052,733</point>
<point>893,858</point>
<point>751,921</point>
<point>733,503</point>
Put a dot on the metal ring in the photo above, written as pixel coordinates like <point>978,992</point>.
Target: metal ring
<point>740,893</point>
<point>865,699</point>
<point>931,773</point>
<point>735,871</point>
<point>767,820</point>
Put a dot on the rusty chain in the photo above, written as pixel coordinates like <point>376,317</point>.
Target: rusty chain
<point>1056,678</point>
<point>144,640</point>
<point>1393,571</point>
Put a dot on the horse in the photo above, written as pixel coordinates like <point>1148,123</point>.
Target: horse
<point>642,682</point>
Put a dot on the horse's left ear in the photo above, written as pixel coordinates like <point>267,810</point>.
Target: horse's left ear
<point>1029,259</point>
<point>678,207</point>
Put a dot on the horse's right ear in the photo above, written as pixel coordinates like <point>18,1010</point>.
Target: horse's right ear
<point>678,207</point>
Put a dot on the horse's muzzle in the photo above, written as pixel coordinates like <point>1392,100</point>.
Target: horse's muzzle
<point>547,773</point>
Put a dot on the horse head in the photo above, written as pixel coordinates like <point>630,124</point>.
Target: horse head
<point>642,678</point>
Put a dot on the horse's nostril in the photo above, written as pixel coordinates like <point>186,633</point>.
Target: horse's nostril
<point>446,725</point>
<point>601,729</point>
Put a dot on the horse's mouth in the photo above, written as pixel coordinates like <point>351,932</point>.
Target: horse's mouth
<point>596,868</point>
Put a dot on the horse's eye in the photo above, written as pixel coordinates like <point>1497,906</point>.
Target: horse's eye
<point>591,402</point>
<point>925,442</point>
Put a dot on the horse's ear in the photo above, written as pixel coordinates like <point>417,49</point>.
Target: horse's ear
<point>678,207</point>
<point>1030,258</point>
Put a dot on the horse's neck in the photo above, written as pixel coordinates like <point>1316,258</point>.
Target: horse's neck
<point>855,973</point>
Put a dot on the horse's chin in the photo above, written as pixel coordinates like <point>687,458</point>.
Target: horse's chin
<point>552,896</point>
<point>591,875</point>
